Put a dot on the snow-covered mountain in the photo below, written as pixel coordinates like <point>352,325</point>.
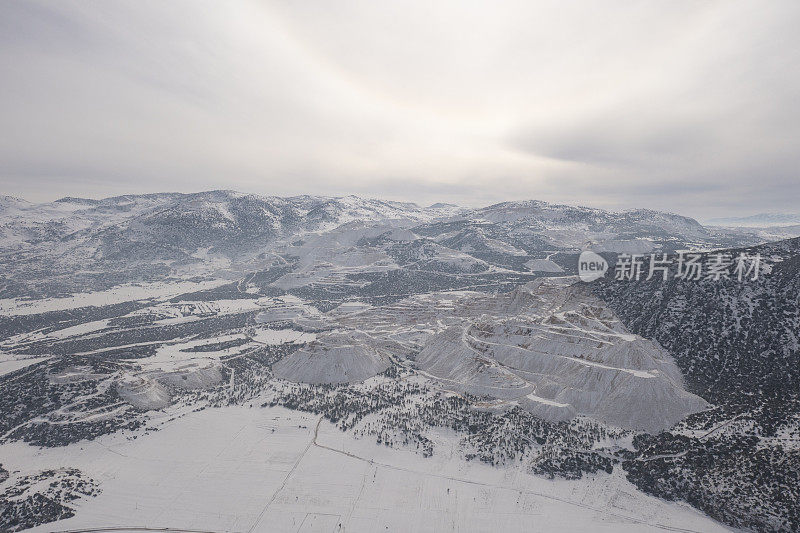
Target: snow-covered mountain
<point>74,244</point>
<point>737,344</point>
<point>581,226</point>
<point>365,336</point>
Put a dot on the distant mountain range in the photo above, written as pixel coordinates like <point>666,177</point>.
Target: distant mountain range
<point>759,220</point>
<point>75,243</point>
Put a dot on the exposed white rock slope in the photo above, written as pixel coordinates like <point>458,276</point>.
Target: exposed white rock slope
<point>549,346</point>
<point>559,351</point>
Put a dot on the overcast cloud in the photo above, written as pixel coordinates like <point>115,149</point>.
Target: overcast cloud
<point>689,107</point>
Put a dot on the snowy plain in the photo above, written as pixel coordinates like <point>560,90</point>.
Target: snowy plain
<point>242,469</point>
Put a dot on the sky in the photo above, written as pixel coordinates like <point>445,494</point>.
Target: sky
<point>689,107</point>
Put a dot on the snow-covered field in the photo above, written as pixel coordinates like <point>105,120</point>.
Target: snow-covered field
<point>270,469</point>
<point>119,294</point>
<point>10,364</point>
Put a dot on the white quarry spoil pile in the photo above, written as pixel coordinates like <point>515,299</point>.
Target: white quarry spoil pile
<point>549,346</point>
<point>143,393</point>
<point>193,375</point>
<point>151,390</point>
<point>333,358</point>
<point>561,353</point>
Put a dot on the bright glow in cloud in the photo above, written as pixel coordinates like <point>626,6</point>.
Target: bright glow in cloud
<point>683,106</point>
